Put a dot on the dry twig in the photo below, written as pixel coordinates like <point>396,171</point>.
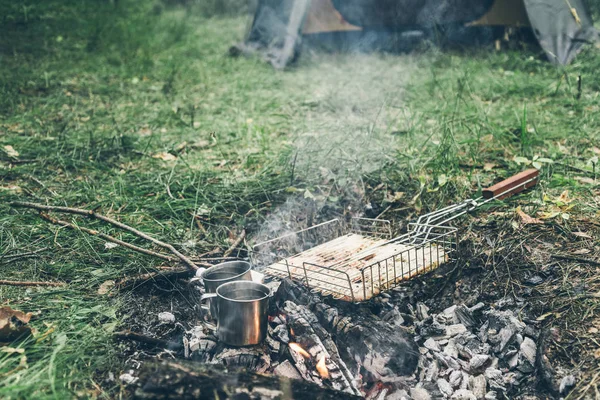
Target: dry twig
<point>93,214</point>
<point>29,283</point>
<point>15,257</point>
<point>105,237</point>
<point>235,244</point>
<point>577,259</point>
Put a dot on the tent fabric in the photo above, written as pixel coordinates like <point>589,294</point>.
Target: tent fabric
<point>561,26</point>
<point>399,14</point>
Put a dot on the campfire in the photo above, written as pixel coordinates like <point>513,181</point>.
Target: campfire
<point>318,333</point>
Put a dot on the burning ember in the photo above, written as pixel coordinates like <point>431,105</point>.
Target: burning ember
<point>322,368</point>
<point>298,349</point>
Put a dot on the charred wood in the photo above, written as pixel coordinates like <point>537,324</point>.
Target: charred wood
<point>375,348</point>
<point>186,380</point>
<point>310,335</point>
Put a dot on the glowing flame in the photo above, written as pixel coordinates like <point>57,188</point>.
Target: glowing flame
<point>322,368</point>
<point>298,349</point>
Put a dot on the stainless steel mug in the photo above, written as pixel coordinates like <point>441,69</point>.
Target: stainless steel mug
<point>241,315</point>
<point>222,273</point>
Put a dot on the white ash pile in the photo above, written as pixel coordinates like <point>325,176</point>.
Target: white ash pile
<point>473,353</point>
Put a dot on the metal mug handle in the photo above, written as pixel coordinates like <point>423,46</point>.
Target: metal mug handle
<point>204,297</point>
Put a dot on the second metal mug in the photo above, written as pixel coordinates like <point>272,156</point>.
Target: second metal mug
<point>222,273</point>
<point>241,315</point>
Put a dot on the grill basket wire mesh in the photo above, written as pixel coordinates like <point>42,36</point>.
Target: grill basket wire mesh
<point>357,259</point>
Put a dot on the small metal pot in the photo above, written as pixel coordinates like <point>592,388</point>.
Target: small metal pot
<point>241,312</point>
<point>222,273</point>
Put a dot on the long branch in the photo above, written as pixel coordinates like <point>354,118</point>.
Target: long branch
<point>105,237</point>
<point>29,283</point>
<point>93,214</point>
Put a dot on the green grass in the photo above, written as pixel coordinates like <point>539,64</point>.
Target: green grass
<point>92,91</point>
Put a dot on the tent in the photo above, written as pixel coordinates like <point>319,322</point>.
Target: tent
<point>561,27</point>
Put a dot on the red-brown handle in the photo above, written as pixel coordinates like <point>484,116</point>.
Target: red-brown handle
<point>513,185</point>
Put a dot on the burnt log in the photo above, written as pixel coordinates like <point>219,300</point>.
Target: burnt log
<point>188,380</point>
<point>304,325</point>
<point>370,346</point>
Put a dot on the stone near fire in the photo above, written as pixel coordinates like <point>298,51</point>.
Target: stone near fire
<point>479,386</point>
<point>432,372</point>
<point>128,378</point>
<point>453,330</point>
<point>450,350</point>
<point>512,360</point>
<point>166,317</point>
<point>479,362</point>
<point>566,384</point>
<point>393,317</point>
<point>419,393</point>
<point>445,387</point>
<point>455,379</point>
<point>422,311</point>
<point>528,349</point>
<point>463,394</point>
<point>491,395</point>
<point>464,315</point>
<point>431,345</point>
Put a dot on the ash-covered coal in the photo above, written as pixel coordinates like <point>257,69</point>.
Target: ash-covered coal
<point>474,352</point>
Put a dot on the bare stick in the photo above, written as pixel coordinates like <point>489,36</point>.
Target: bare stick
<point>105,237</point>
<point>29,283</point>
<point>209,253</point>
<point>138,337</point>
<point>235,244</point>
<point>577,259</point>
<point>152,276</point>
<point>14,257</point>
<point>93,214</point>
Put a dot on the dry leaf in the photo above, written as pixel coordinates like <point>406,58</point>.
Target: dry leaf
<point>180,147</point>
<point>165,156</point>
<point>110,245</point>
<point>582,251</point>
<point>543,317</point>
<point>596,150</point>
<point>106,287</point>
<point>548,214</point>
<point>488,166</point>
<point>564,197</point>
<point>582,235</point>
<point>587,181</point>
<point>593,330</point>
<point>145,132</point>
<point>10,151</point>
<point>397,196</point>
<point>526,219</point>
<point>13,324</point>
<point>597,353</point>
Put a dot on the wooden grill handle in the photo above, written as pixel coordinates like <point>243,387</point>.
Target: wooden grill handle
<point>513,185</point>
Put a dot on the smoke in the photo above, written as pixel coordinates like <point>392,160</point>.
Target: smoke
<point>353,107</point>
